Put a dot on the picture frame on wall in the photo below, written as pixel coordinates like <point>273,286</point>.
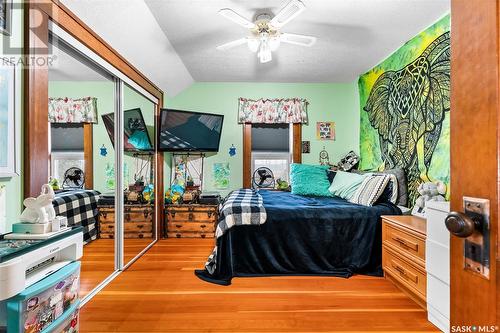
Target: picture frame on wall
<point>5,17</point>
<point>9,122</point>
<point>325,130</point>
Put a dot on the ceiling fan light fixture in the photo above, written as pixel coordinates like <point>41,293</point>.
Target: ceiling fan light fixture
<point>253,44</point>
<point>265,54</point>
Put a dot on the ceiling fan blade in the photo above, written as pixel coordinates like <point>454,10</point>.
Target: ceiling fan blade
<point>295,39</point>
<point>288,13</point>
<point>232,44</point>
<point>236,18</point>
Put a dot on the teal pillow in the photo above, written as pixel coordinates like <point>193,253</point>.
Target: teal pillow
<point>345,184</point>
<point>309,180</point>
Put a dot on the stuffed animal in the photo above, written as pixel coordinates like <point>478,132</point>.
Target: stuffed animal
<point>40,209</point>
<point>430,192</point>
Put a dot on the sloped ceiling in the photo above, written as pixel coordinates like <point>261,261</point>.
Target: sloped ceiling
<point>130,28</point>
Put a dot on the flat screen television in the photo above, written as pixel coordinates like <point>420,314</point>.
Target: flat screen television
<point>136,136</point>
<point>189,131</point>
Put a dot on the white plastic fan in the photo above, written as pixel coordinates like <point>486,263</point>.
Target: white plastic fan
<point>264,33</point>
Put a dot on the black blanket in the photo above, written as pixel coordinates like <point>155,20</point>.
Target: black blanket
<point>303,236</point>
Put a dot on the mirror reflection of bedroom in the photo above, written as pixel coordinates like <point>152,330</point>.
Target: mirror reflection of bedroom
<point>82,108</point>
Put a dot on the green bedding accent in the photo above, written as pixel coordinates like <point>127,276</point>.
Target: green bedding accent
<point>311,180</point>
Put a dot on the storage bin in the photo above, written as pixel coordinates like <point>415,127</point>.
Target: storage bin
<point>39,306</point>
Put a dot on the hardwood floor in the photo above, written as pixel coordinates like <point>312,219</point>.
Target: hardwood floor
<point>98,260</point>
<point>160,293</point>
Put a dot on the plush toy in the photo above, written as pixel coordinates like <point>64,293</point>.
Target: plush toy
<point>428,192</point>
<point>40,209</point>
<point>148,193</point>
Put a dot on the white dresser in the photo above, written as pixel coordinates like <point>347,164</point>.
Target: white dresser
<point>437,259</point>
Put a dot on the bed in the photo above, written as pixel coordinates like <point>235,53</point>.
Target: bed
<point>80,208</point>
<point>326,236</point>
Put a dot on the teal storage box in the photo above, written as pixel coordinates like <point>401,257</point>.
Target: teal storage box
<point>47,304</point>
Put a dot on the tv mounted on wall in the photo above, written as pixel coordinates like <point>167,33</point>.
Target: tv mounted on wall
<point>136,135</point>
<point>188,131</point>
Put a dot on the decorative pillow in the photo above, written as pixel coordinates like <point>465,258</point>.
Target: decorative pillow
<point>370,190</point>
<point>309,180</point>
<point>387,195</point>
<point>345,184</point>
<point>402,185</point>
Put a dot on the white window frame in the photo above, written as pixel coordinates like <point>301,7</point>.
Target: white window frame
<point>271,155</point>
<point>64,155</point>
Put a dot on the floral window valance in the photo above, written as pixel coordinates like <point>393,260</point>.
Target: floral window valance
<point>272,111</point>
<point>69,110</point>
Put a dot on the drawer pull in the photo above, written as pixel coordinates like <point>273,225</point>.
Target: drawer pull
<point>203,235</point>
<point>178,235</point>
<point>178,225</point>
<point>140,226</point>
<point>406,243</point>
<point>203,226</point>
<point>404,273</point>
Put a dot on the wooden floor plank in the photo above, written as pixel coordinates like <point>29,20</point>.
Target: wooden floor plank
<point>160,293</point>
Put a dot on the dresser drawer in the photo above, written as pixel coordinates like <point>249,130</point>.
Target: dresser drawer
<point>190,234</point>
<point>145,226</point>
<point>190,226</point>
<point>409,275</point>
<point>202,214</point>
<point>129,235</point>
<point>403,241</point>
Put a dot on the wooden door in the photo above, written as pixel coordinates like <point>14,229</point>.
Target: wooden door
<point>475,155</point>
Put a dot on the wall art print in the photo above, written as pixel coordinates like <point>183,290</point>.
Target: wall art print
<point>325,130</point>
<point>221,175</point>
<point>405,104</point>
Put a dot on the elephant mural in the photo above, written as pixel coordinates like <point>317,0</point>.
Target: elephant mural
<point>407,108</point>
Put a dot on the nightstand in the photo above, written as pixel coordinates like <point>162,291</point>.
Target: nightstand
<point>403,255</point>
<point>190,220</point>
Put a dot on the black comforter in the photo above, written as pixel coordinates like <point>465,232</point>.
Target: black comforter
<point>303,236</point>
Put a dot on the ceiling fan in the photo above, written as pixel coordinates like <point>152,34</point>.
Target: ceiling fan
<point>265,35</point>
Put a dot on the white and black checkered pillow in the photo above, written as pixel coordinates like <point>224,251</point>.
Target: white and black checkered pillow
<point>370,189</point>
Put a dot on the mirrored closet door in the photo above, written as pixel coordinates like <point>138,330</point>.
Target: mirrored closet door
<point>102,158</point>
<point>139,228</point>
<point>82,108</point>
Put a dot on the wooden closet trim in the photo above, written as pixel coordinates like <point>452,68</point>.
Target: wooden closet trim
<point>36,35</point>
<point>247,150</point>
<point>88,155</point>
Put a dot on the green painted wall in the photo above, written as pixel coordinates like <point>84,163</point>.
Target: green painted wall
<point>104,92</point>
<point>14,185</point>
<point>434,96</point>
<point>327,102</point>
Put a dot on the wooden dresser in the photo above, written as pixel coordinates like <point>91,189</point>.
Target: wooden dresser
<point>191,220</point>
<point>138,221</point>
<point>403,254</point>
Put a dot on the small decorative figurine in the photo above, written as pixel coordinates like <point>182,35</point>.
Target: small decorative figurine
<point>40,209</point>
<point>103,150</point>
<point>232,151</point>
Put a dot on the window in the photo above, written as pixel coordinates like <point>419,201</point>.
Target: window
<point>271,149</point>
<point>62,161</point>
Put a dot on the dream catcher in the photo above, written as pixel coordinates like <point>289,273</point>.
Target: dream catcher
<point>324,158</point>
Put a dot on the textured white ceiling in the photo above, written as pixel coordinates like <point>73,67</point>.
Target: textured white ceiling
<point>353,36</point>
<point>130,28</point>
